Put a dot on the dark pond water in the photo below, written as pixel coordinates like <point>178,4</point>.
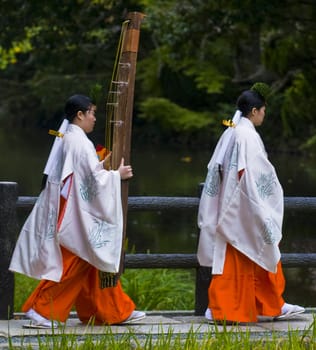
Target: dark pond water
<point>159,171</point>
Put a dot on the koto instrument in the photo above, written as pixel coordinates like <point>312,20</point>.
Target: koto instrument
<point>119,112</point>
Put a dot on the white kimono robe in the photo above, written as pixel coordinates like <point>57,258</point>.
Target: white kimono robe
<point>246,213</point>
<point>92,225</point>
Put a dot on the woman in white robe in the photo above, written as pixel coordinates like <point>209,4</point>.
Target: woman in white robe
<point>240,220</point>
<point>74,230</point>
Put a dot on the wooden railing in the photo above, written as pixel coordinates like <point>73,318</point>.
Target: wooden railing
<point>10,203</point>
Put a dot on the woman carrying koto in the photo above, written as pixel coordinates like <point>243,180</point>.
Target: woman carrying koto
<point>75,230</point>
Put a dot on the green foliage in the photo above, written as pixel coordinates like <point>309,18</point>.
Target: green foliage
<point>184,45</point>
<point>310,145</point>
<point>148,72</point>
<point>197,54</point>
<point>279,52</point>
<point>237,43</point>
<point>160,289</point>
<point>10,55</point>
<point>54,52</point>
<point>170,116</point>
<point>297,114</point>
<point>207,77</point>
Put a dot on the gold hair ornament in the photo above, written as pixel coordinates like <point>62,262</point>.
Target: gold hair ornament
<point>228,122</point>
<point>55,133</point>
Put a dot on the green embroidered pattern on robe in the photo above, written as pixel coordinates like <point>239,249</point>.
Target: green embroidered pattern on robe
<point>51,224</point>
<point>212,182</point>
<point>100,232</point>
<point>265,185</point>
<point>88,188</point>
<point>233,159</point>
<point>270,231</point>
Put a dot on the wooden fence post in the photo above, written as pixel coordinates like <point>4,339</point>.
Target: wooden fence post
<point>8,232</point>
<point>202,281</point>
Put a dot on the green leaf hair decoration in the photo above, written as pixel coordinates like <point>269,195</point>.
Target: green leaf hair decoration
<point>262,89</point>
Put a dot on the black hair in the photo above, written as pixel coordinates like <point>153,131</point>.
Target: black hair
<point>75,104</point>
<point>248,100</point>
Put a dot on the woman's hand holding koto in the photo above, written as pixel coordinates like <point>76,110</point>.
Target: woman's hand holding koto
<point>107,161</point>
<point>126,171</point>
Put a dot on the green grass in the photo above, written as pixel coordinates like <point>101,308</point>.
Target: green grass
<point>214,338</point>
<point>160,289</point>
<point>23,287</point>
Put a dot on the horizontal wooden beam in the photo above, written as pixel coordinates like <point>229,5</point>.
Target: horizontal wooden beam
<point>185,261</point>
<point>152,203</point>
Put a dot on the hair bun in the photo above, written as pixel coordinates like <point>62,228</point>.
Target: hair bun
<point>262,89</point>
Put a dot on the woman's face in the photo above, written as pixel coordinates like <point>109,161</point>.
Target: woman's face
<point>257,115</point>
<point>88,120</point>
